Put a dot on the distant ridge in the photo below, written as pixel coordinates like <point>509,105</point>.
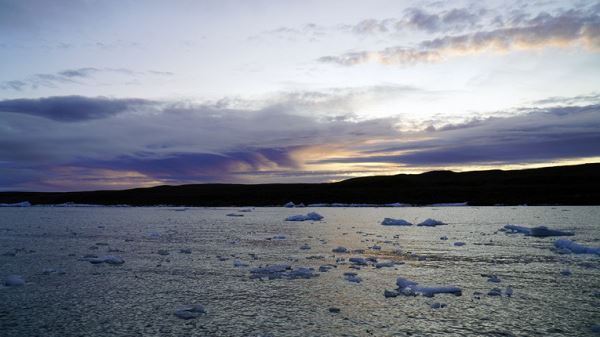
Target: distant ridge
<point>559,185</point>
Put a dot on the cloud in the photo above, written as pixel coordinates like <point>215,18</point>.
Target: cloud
<point>78,76</point>
<point>565,29</point>
<point>170,141</point>
<point>133,142</point>
<point>457,19</point>
<point>71,108</point>
<point>538,136</point>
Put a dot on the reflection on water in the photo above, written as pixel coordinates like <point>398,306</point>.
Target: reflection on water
<point>178,257</point>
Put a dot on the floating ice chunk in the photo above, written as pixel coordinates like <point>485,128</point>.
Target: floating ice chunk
<point>352,277</point>
<point>301,272</point>
<point>17,204</point>
<point>459,244</point>
<point>570,246</point>
<point>239,263</point>
<point>300,205</point>
<point>449,204</point>
<point>305,246</point>
<point>431,223</point>
<point>437,305</point>
<point>397,204</point>
<point>272,271</point>
<point>326,267</point>
<point>359,261</point>
<point>395,222</point>
<point>495,292</point>
<point>388,264</point>
<point>431,291</point>
<point>282,271</point>
<point>404,283</point>
<point>190,312</point>
<point>235,215</point>
<point>540,231</point>
<point>340,250</point>
<point>517,229</point>
<point>411,288</point>
<point>509,291</point>
<point>543,231</point>
<point>289,205</point>
<point>565,272</point>
<point>279,237</point>
<point>49,271</point>
<point>493,279</point>
<point>110,259</point>
<point>390,293</point>
<point>113,259</point>
<point>14,281</point>
<point>312,216</point>
<point>153,234</point>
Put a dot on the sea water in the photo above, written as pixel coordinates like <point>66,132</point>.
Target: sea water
<point>176,257</point>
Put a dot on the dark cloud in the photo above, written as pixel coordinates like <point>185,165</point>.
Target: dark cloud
<point>185,142</point>
<point>200,167</point>
<point>541,135</point>
<point>70,108</point>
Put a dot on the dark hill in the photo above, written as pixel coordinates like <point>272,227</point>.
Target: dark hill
<point>567,185</point>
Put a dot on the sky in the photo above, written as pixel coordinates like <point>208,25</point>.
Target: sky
<point>117,94</point>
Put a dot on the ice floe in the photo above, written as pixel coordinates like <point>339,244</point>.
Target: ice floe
<point>359,261</point>
<point>509,291</point>
<point>49,271</point>
<point>437,305</point>
<point>352,277</point>
<point>17,204</point>
<point>326,267</point>
<point>540,231</point>
<point>278,271</point>
<point>109,259</point>
<point>431,223</point>
<point>313,216</point>
<point>14,281</point>
<point>305,246</point>
<point>568,246</point>
<point>411,288</point>
<point>493,279</point>
<point>395,222</point>
<point>340,250</point>
<point>495,292</point>
<point>387,264</point>
<point>189,312</point>
<point>239,263</point>
<point>565,272</point>
<point>289,205</point>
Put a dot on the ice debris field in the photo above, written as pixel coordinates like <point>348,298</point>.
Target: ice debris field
<point>323,271</point>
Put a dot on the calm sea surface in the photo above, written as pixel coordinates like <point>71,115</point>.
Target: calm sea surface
<point>139,297</point>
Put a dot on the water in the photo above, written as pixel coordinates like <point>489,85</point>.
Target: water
<point>139,297</point>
